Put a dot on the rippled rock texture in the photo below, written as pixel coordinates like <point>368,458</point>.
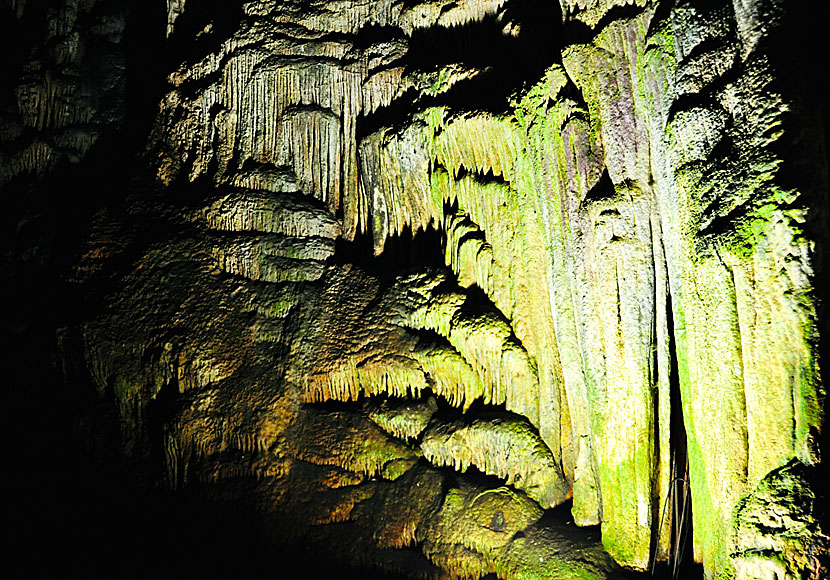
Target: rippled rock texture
<point>399,276</point>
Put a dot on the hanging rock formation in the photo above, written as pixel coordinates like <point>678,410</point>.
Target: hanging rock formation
<point>400,276</point>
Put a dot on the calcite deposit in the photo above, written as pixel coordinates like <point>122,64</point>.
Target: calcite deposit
<point>429,285</point>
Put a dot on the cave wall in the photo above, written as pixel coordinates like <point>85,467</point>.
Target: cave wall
<point>364,241</point>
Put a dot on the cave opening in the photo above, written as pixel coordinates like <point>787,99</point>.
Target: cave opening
<point>676,513</point>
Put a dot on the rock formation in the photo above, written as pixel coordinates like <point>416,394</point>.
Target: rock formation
<point>402,277</point>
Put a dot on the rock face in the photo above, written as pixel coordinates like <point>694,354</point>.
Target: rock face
<point>400,276</point>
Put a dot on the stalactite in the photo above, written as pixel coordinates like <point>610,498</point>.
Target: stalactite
<point>350,442</point>
<point>450,375</point>
<point>350,381</point>
<point>506,447</point>
<point>404,420</point>
<point>484,340</point>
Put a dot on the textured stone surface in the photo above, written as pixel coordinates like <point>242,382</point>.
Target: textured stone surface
<point>67,83</point>
<point>779,533</point>
<point>398,277</point>
<point>506,447</point>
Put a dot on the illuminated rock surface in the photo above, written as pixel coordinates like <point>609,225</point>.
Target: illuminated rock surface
<point>396,277</point>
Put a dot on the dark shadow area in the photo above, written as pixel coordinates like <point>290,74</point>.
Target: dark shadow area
<point>663,571</point>
<point>108,528</point>
<point>144,43</point>
<point>522,42</point>
<point>79,509</point>
<point>560,518</point>
<point>511,49</point>
<point>374,34</point>
<point>482,178</point>
<point>161,411</point>
<point>471,476</point>
<point>577,32</point>
<point>201,30</point>
<point>479,303</point>
<point>478,409</point>
<point>18,39</point>
<point>404,252</point>
<point>675,514</point>
<point>603,190</point>
<point>393,116</point>
<point>793,46</point>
